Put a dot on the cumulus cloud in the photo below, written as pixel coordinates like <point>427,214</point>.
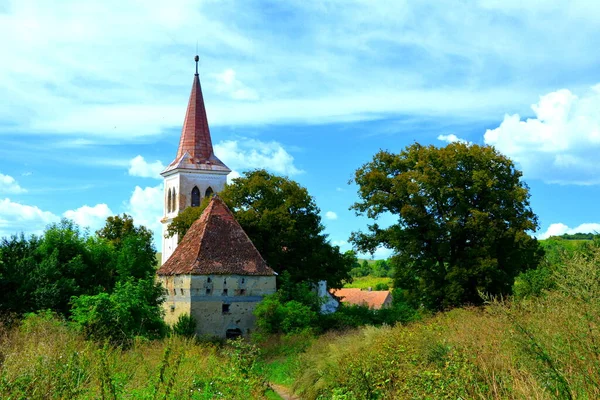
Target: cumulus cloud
<point>381,253</point>
<point>228,83</point>
<point>90,217</point>
<point>561,144</point>
<point>451,138</point>
<point>16,218</point>
<point>331,215</point>
<point>146,208</point>
<point>246,154</point>
<point>140,167</point>
<point>559,229</point>
<point>8,184</point>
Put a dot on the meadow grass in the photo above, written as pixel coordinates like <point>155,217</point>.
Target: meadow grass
<point>365,282</point>
<point>44,358</point>
<point>538,348</point>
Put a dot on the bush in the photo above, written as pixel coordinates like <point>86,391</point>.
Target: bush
<point>275,316</point>
<point>132,309</point>
<point>185,326</point>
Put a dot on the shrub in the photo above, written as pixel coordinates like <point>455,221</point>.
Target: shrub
<point>185,326</point>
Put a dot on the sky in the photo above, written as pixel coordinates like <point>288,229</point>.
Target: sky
<point>93,96</point>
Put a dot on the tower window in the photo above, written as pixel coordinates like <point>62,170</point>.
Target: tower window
<point>225,308</point>
<point>195,197</point>
<point>174,202</point>
<point>208,192</point>
<point>224,292</point>
<point>169,201</point>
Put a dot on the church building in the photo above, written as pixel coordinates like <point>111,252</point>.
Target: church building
<point>215,273</point>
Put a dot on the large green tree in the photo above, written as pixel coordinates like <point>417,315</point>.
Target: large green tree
<point>283,222</point>
<point>462,221</point>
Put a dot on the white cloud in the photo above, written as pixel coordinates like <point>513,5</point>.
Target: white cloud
<point>244,154</point>
<point>90,217</point>
<point>331,215</point>
<point>232,175</point>
<point>146,208</point>
<point>16,218</point>
<point>327,62</point>
<point>342,244</point>
<point>451,138</point>
<point>561,144</point>
<point>8,184</point>
<point>228,83</point>
<point>559,229</point>
<point>381,253</point>
<point>140,167</point>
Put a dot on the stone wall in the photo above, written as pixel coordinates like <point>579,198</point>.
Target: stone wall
<point>218,302</point>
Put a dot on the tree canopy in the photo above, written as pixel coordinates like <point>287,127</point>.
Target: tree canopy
<point>462,218</point>
<point>85,277</point>
<point>283,222</point>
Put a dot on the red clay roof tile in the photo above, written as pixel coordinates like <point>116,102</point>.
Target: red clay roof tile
<point>371,298</point>
<point>195,138</point>
<point>216,244</point>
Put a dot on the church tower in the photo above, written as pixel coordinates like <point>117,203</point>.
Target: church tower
<point>195,172</point>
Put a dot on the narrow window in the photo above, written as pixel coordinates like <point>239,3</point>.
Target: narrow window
<point>243,280</point>
<point>224,292</point>
<point>195,197</point>
<point>224,281</point>
<point>174,204</point>
<point>169,201</point>
<point>242,292</point>
<point>181,290</point>
<point>207,291</point>
<point>208,192</point>
<point>209,280</point>
<point>225,308</point>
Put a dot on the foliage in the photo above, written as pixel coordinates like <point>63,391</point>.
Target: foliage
<point>132,309</point>
<point>106,282</point>
<point>462,220</point>
<point>185,326</point>
<point>45,272</point>
<point>579,236</point>
<point>276,316</point>
<point>283,222</point>
<point>361,269</point>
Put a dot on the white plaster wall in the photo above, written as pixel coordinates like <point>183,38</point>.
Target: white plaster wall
<point>183,182</point>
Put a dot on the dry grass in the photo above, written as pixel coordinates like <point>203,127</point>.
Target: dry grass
<point>45,359</point>
<point>542,348</point>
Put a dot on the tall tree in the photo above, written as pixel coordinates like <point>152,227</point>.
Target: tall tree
<point>283,222</point>
<point>463,218</point>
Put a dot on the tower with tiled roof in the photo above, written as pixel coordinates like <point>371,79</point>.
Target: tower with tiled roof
<point>195,172</point>
<point>216,275</point>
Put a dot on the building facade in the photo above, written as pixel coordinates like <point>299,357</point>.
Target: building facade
<point>215,273</point>
<point>195,172</point>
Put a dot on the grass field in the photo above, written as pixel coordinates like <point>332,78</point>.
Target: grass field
<point>366,282</point>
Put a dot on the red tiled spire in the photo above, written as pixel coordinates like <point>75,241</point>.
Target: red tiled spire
<point>195,136</point>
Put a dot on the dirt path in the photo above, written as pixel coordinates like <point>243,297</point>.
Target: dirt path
<point>283,392</point>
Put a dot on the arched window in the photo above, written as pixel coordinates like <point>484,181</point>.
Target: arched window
<point>195,197</point>
<point>169,201</point>
<point>174,204</point>
<point>208,192</point>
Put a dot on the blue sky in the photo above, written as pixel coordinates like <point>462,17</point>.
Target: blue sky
<point>93,98</point>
